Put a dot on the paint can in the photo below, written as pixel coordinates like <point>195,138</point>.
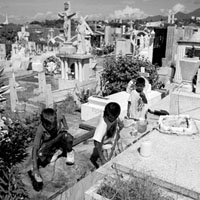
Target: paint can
<point>145,148</point>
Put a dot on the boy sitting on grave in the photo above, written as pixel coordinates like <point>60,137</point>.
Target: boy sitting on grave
<point>106,133</point>
<point>137,103</point>
<point>51,141</point>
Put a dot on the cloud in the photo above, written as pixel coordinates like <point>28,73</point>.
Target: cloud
<point>178,8</point>
<point>128,2</point>
<point>162,10</point>
<point>128,12</point>
<point>95,17</point>
<point>47,15</point>
<point>37,17</point>
<point>18,19</point>
<point>197,2</point>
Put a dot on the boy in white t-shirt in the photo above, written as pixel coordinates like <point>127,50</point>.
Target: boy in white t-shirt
<point>106,132</point>
<point>137,102</point>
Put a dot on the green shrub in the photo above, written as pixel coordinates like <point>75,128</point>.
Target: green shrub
<point>67,106</point>
<point>11,186</point>
<point>15,138</point>
<point>118,71</point>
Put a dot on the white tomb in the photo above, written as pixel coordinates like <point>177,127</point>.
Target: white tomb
<point>96,104</point>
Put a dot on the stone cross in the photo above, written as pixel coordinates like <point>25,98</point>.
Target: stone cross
<point>48,97</point>
<point>23,34</point>
<point>67,15</point>
<point>13,92</point>
<point>143,73</point>
<point>42,83</point>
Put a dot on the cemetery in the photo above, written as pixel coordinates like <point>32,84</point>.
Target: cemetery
<point>158,154</point>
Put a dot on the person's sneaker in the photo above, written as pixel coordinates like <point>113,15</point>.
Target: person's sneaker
<point>70,158</point>
<point>36,181</point>
<point>55,156</point>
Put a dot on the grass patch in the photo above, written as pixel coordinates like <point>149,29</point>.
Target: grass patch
<point>119,187</point>
<point>67,106</point>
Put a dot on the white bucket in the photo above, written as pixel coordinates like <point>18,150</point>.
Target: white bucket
<point>145,148</point>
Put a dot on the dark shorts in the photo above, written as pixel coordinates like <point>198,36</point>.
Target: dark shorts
<point>48,149</point>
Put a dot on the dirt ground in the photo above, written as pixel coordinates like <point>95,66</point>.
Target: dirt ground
<point>57,175</point>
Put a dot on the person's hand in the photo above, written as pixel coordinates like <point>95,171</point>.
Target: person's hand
<point>120,124</point>
<point>143,96</point>
<point>128,114</point>
<point>62,133</point>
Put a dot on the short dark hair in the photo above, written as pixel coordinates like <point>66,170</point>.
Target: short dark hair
<point>140,81</point>
<point>48,116</point>
<point>112,109</point>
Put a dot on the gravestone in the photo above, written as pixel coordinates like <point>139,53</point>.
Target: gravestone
<point>182,98</point>
<point>2,51</point>
<point>48,97</point>
<point>123,47</point>
<point>42,83</point>
<point>13,92</point>
<point>23,34</point>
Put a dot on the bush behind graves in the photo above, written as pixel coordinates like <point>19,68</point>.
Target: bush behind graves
<point>118,71</point>
<point>15,138</point>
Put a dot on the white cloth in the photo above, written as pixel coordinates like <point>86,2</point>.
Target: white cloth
<point>101,131</point>
<point>138,109</point>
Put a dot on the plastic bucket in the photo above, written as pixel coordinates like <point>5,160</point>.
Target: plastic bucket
<point>142,125</point>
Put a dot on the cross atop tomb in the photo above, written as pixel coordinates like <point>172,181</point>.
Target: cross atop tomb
<point>67,15</point>
<point>131,23</point>
<point>23,34</point>
<point>143,73</point>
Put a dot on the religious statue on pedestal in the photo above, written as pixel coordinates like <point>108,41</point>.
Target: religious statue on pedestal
<point>66,16</point>
<point>83,30</point>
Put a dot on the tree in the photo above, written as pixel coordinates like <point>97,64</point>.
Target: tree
<point>118,71</point>
<point>8,34</point>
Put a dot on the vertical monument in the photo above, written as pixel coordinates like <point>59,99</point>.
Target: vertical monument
<point>66,15</point>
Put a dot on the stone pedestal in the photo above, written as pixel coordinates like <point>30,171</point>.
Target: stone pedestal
<point>67,48</point>
<point>79,63</point>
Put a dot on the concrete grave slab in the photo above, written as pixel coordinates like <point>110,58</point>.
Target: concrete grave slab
<point>173,164</point>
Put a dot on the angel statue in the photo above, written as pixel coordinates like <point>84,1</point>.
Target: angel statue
<point>83,32</point>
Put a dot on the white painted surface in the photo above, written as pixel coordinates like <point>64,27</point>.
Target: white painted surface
<point>174,159</point>
<point>96,105</point>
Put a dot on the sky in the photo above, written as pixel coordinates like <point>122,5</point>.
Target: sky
<point>30,10</point>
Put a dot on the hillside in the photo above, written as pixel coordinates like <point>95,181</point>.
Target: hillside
<point>179,15</point>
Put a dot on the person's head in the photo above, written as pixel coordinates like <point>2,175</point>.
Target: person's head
<point>140,84</point>
<point>49,118</point>
<point>112,111</point>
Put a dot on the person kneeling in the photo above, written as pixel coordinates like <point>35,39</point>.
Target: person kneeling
<point>51,141</point>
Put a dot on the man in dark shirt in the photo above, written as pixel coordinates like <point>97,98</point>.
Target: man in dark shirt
<point>51,141</point>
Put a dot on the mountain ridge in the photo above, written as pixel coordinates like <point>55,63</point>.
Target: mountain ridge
<point>178,15</point>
